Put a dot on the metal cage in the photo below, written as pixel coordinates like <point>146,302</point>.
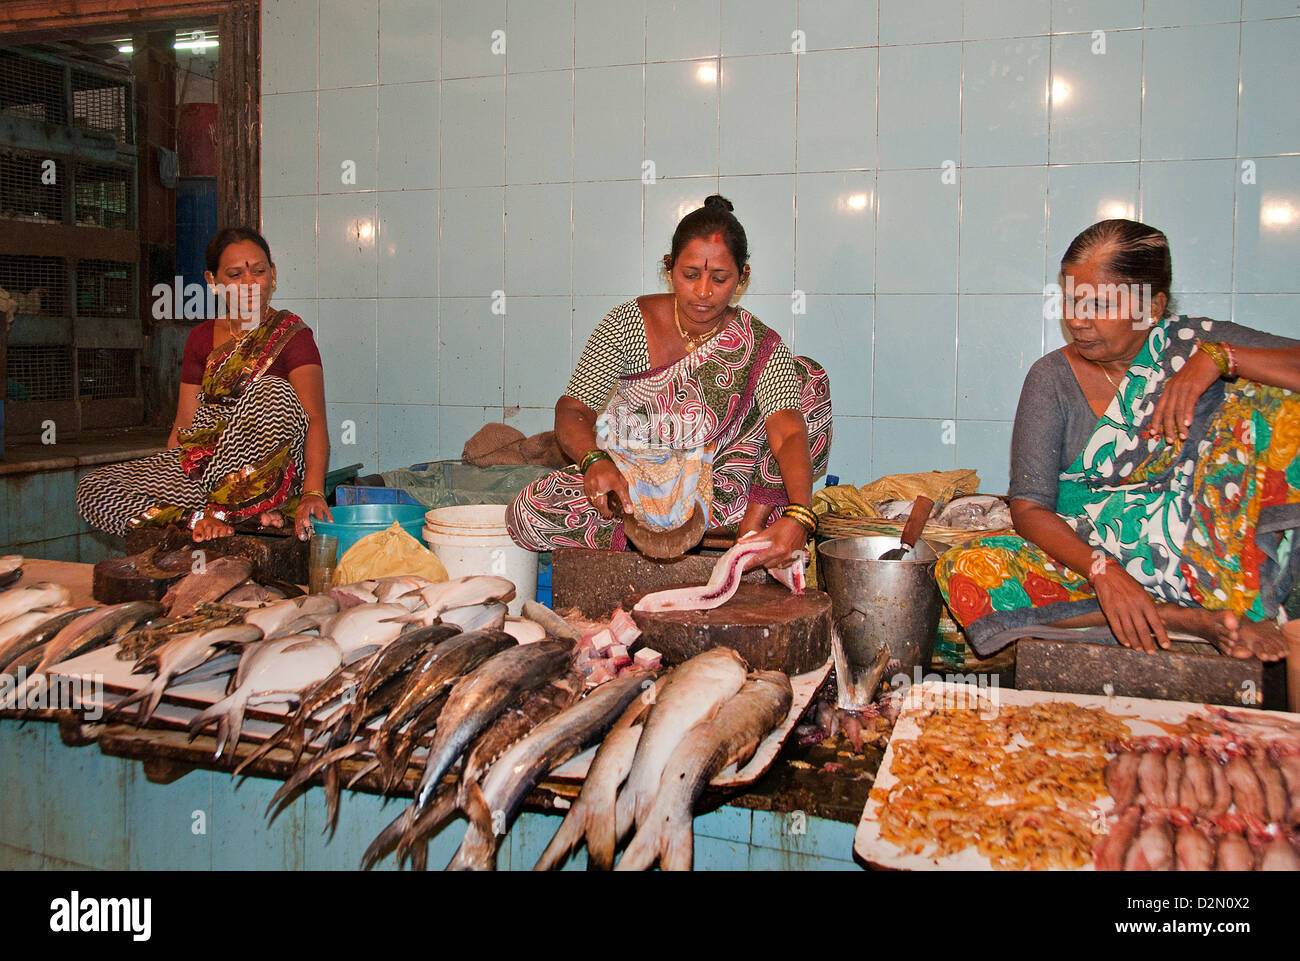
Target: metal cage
<point>102,104</point>
<point>105,373</point>
<point>37,285</point>
<point>105,288</point>
<point>104,196</point>
<point>40,374</point>
<point>31,88</point>
<point>31,186</point>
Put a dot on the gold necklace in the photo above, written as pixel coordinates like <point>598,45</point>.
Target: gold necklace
<point>1106,374</point>
<point>693,342</point>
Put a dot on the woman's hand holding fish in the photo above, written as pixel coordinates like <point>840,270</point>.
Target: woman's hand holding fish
<point>602,479</point>
<point>310,507</point>
<point>1176,404</point>
<point>787,536</point>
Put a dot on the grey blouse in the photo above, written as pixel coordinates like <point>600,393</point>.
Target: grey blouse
<point>1054,420</point>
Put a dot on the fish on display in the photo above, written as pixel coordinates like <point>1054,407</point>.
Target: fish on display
<point>357,630</point>
<point>392,661</point>
<point>506,731</point>
<point>137,643</point>
<point>723,582</point>
<point>276,617</point>
<point>731,737</point>
<point>592,815</point>
<point>523,630</point>
<point>252,595</point>
<point>270,672</point>
<point>217,578</point>
<point>437,671</point>
<point>351,595</point>
<point>96,628</point>
<point>476,617</point>
<point>11,570</point>
<point>41,626</point>
<point>176,657</point>
<point>479,697</point>
<point>461,592</point>
<point>692,693</point>
<point>39,596</point>
<point>388,589</point>
<point>495,804</point>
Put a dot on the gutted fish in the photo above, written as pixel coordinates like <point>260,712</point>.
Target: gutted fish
<point>731,737</point>
<point>476,617</point>
<point>462,592</point>
<point>214,579</point>
<point>359,630</point>
<point>270,620</point>
<point>723,582</point>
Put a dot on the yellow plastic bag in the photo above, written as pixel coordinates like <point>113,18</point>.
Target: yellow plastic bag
<point>388,553</point>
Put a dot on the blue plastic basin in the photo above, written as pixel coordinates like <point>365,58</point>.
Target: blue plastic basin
<point>353,522</point>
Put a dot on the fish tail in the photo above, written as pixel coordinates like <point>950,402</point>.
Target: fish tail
<point>571,831</point>
<point>602,840</point>
<point>676,844</point>
<point>387,838</point>
<point>331,799</point>
<point>207,716</point>
<point>370,766</point>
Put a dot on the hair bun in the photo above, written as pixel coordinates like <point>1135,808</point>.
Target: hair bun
<point>717,200</point>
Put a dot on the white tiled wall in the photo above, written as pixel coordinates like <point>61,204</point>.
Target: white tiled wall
<point>916,172</point>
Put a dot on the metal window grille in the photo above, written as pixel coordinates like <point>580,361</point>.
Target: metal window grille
<point>39,373</point>
<point>105,288</point>
<point>104,373</point>
<point>101,103</point>
<point>31,88</point>
<point>104,196</point>
<point>31,186</point>
<point>35,284</point>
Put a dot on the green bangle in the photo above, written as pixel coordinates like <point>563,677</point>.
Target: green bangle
<point>590,458</point>
<point>320,494</point>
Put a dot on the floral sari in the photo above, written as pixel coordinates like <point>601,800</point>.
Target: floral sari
<point>1208,523</point>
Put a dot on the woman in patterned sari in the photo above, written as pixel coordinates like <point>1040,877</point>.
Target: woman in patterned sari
<point>687,410</point>
<point>1155,472</point>
<point>250,437</point>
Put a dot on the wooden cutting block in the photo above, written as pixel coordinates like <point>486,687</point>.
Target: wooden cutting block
<point>1185,673</point>
<point>772,629</point>
<point>274,557</point>
<point>595,582</point>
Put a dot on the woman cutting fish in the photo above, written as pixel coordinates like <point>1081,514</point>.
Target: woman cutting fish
<point>688,412</point>
<point>250,437</point>
<point>1155,482</point>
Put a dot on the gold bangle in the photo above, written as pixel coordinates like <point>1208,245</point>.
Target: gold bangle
<point>1218,355</point>
<point>320,494</point>
<point>802,516</point>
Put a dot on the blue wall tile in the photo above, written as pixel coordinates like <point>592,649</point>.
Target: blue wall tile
<point>768,203</point>
<point>609,123</point>
<point>410,40</point>
<point>457,425</point>
<point>682,29</point>
<point>349,139</point>
<point>747,147</point>
<point>902,446</point>
<point>715,854</point>
<point>757,26</point>
<point>470,354</point>
<point>242,835</point>
<point>681,117</point>
<point>985,447</point>
<point>408,434</point>
<point>1004,104</point>
<point>1173,13</point>
<point>1003,229</point>
<point>916,232</point>
<point>537,350</point>
<point>471,252</point>
<point>1268,229</point>
<point>289,134</point>
<point>1200,234</point>
<point>474,111</point>
<point>836,233</point>
<point>607,238</point>
<point>353,435</point>
<point>467,38</point>
<point>537,240</point>
<point>920,21</point>
<point>987,19</point>
<point>836,132</point>
<point>349,43</point>
<point>539,121</point>
<point>542,31</point>
<point>725,823</point>
<point>1267,122</point>
<point>915,355</point>
<point>1081,195</point>
<point>169,827</point>
<point>1190,94</point>
<point>348,349</point>
<point>999,337</point>
<point>1089,15</point>
<point>851,447</point>
<point>289,226</point>
<point>290,28</point>
<point>1096,98</point>
<point>920,105</point>
<point>803,834</point>
<point>346,245</point>
<point>408,243</point>
<point>609,32</point>
<point>408,134</point>
<point>837,332</point>
<point>839,23</point>
<point>408,342</point>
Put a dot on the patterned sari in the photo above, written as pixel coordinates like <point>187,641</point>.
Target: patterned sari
<point>689,436</point>
<point>1208,524</point>
<point>244,452</point>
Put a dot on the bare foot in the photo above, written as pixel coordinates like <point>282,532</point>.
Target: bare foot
<point>1260,639</point>
<point>271,519</point>
<point>209,528</point>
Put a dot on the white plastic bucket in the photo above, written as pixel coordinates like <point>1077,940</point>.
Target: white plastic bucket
<point>473,539</point>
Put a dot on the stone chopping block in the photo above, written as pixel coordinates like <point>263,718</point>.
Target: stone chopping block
<point>1188,672</point>
<point>274,557</point>
<point>596,582</point>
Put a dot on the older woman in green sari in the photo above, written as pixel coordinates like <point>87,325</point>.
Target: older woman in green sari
<point>1155,472</point>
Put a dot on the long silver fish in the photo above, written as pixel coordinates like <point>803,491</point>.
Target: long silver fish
<point>731,737</point>
<point>592,815</point>
<point>178,656</point>
<point>20,634</point>
<point>461,592</point>
<point>693,692</point>
<point>101,626</point>
<point>20,600</point>
<point>398,657</point>
<point>480,696</point>
<point>272,671</point>
<point>493,807</point>
<point>477,617</point>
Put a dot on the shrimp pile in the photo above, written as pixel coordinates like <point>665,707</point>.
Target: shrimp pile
<point>1019,787</point>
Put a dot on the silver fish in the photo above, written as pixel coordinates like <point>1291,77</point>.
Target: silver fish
<point>177,657</point>
<point>388,589</point>
<point>217,578</point>
<point>592,815</point>
<point>692,693</point>
<point>478,617</point>
<point>461,592</point>
<point>270,620</point>
<point>270,672</point>
<point>480,696</point>
<point>24,599</point>
<point>360,629</point>
<point>43,625</point>
<point>523,630</point>
<point>551,743</point>
<point>732,736</point>
<point>101,626</point>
